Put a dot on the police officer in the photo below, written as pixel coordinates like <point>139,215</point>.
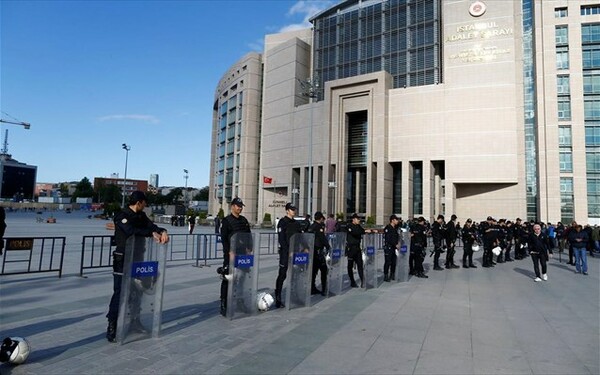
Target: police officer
<point>354,253</point>
<point>390,244</point>
<point>418,246</point>
<point>321,246</point>
<point>468,237</point>
<point>286,228</point>
<point>232,224</point>
<point>131,221</point>
<point>490,240</point>
<point>451,236</point>
<point>438,232</point>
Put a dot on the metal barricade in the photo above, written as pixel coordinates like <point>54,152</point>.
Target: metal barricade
<point>37,253</point>
<point>269,242</point>
<point>96,252</point>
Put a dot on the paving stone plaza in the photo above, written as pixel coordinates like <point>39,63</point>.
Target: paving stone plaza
<point>461,321</point>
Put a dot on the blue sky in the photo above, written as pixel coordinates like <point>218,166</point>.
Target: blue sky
<point>91,75</point>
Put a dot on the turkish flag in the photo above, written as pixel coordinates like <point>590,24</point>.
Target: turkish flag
<point>267,180</point>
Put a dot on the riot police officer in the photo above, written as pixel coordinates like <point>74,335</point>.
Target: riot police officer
<point>390,244</point>
<point>231,224</point>
<point>490,240</point>
<point>286,228</point>
<point>131,221</point>
<point>354,253</point>
<point>451,236</point>
<point>438,232</point>
<point>468,238</point>
<point>321,246</point>
<point>418,246</point>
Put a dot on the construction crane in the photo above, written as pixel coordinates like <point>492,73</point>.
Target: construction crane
<point>26,125</point>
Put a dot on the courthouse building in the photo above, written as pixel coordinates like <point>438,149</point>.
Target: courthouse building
<point>417,107</point>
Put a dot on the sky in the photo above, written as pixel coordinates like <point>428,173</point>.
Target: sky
<point>91,75</point>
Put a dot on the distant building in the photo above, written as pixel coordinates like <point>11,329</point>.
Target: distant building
<point>130,185</point>
<point>153,180</point>
<point>17,180</point>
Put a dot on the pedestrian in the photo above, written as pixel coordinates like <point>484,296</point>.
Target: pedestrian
<point>191,223</point>
<point>391,240</point>
<point>286,228</point>
<point>217,224</point>
<point>330,224</point>
<point>578,240</point>
<point>539,250</point>
<point>232,224</point>
<point>131,221</point>
<point>354,253</point>
<point>321,247</point>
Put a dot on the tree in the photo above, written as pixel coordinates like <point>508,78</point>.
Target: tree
<point>174,196</point>
<point>109,194</point>
<point>202,194</point>
<point>64,190</point>
<point>83,189</point>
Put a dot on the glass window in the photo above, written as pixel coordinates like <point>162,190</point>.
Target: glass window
<point>564,108</point>
<point>563,85</point>
<point>588,10</point>
<point>564,136</point>
<point>591,108</point>
<point>562,58</point>
<point>592,136</point>
<point>565,157</point>
<point>590,33</point>
<point>592,161</point>
<point>560,12</point>
<point>591,56</point>
<point>562,35</point>
<point>591,83</point>
<point>566,199</point>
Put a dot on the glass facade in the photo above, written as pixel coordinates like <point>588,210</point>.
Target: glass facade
<point>399,36</point>
<point>529,101</point>
<point>228,138</point>
<point>590,45</point>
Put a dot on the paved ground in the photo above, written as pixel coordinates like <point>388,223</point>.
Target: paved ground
<point>474,321</point>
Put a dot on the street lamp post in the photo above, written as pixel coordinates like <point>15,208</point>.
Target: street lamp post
<point>310,88</point>
<point>186,192</point>
<point>126,148</point>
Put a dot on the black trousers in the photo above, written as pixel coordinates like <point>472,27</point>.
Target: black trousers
<point>467,254</point>
<point>282,274</point>
<point>538,258</point>
<point>355,256</point>
<point>389,264</point>
<point>419,257</point>
<point>135,297</point>
<point>319,264</point>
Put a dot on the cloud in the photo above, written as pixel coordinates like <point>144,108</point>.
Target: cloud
<point>307,9</point>
<point>143,118</point>
<point>258,45</point>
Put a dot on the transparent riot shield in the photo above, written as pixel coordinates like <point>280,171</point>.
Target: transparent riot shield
<point>299,270</point>
<point>370,261</point>
<point>403,254</point>
<point>241,293</point>
<point>336,263</point>
<point>140,306</point>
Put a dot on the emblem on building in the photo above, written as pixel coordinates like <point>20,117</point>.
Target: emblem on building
<point>477,9</point>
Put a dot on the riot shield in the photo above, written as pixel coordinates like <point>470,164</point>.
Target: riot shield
<point>299,270</point>
<point>241,293</point>
<point>140,307</point>
<point>403,254</point>
<point>370,261</point>
<point>336,263</point>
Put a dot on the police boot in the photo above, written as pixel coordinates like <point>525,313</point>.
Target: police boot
<point>323,287</point>
<point>111,331</point>
<point>223,307</point>
<point>278,302</point>
<point>386,278</point>
<point>314,290</point>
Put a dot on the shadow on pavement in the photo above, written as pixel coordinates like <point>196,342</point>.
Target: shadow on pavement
<point>33,329</point>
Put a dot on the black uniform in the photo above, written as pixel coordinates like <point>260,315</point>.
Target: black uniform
<point>353,241</point>
<point>230,226</point>
<point>438,233</point>
<point>491,233</point>
<point>319,263</point>
<point>418,246</point>
<point>451,236</point>
<point>286,228</point>
<point>390,243</point>
<point>468,238</point>
<point>538,249</point>
<point>128,223</point>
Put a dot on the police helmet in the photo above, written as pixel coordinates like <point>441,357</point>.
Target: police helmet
<point>14,350</point>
